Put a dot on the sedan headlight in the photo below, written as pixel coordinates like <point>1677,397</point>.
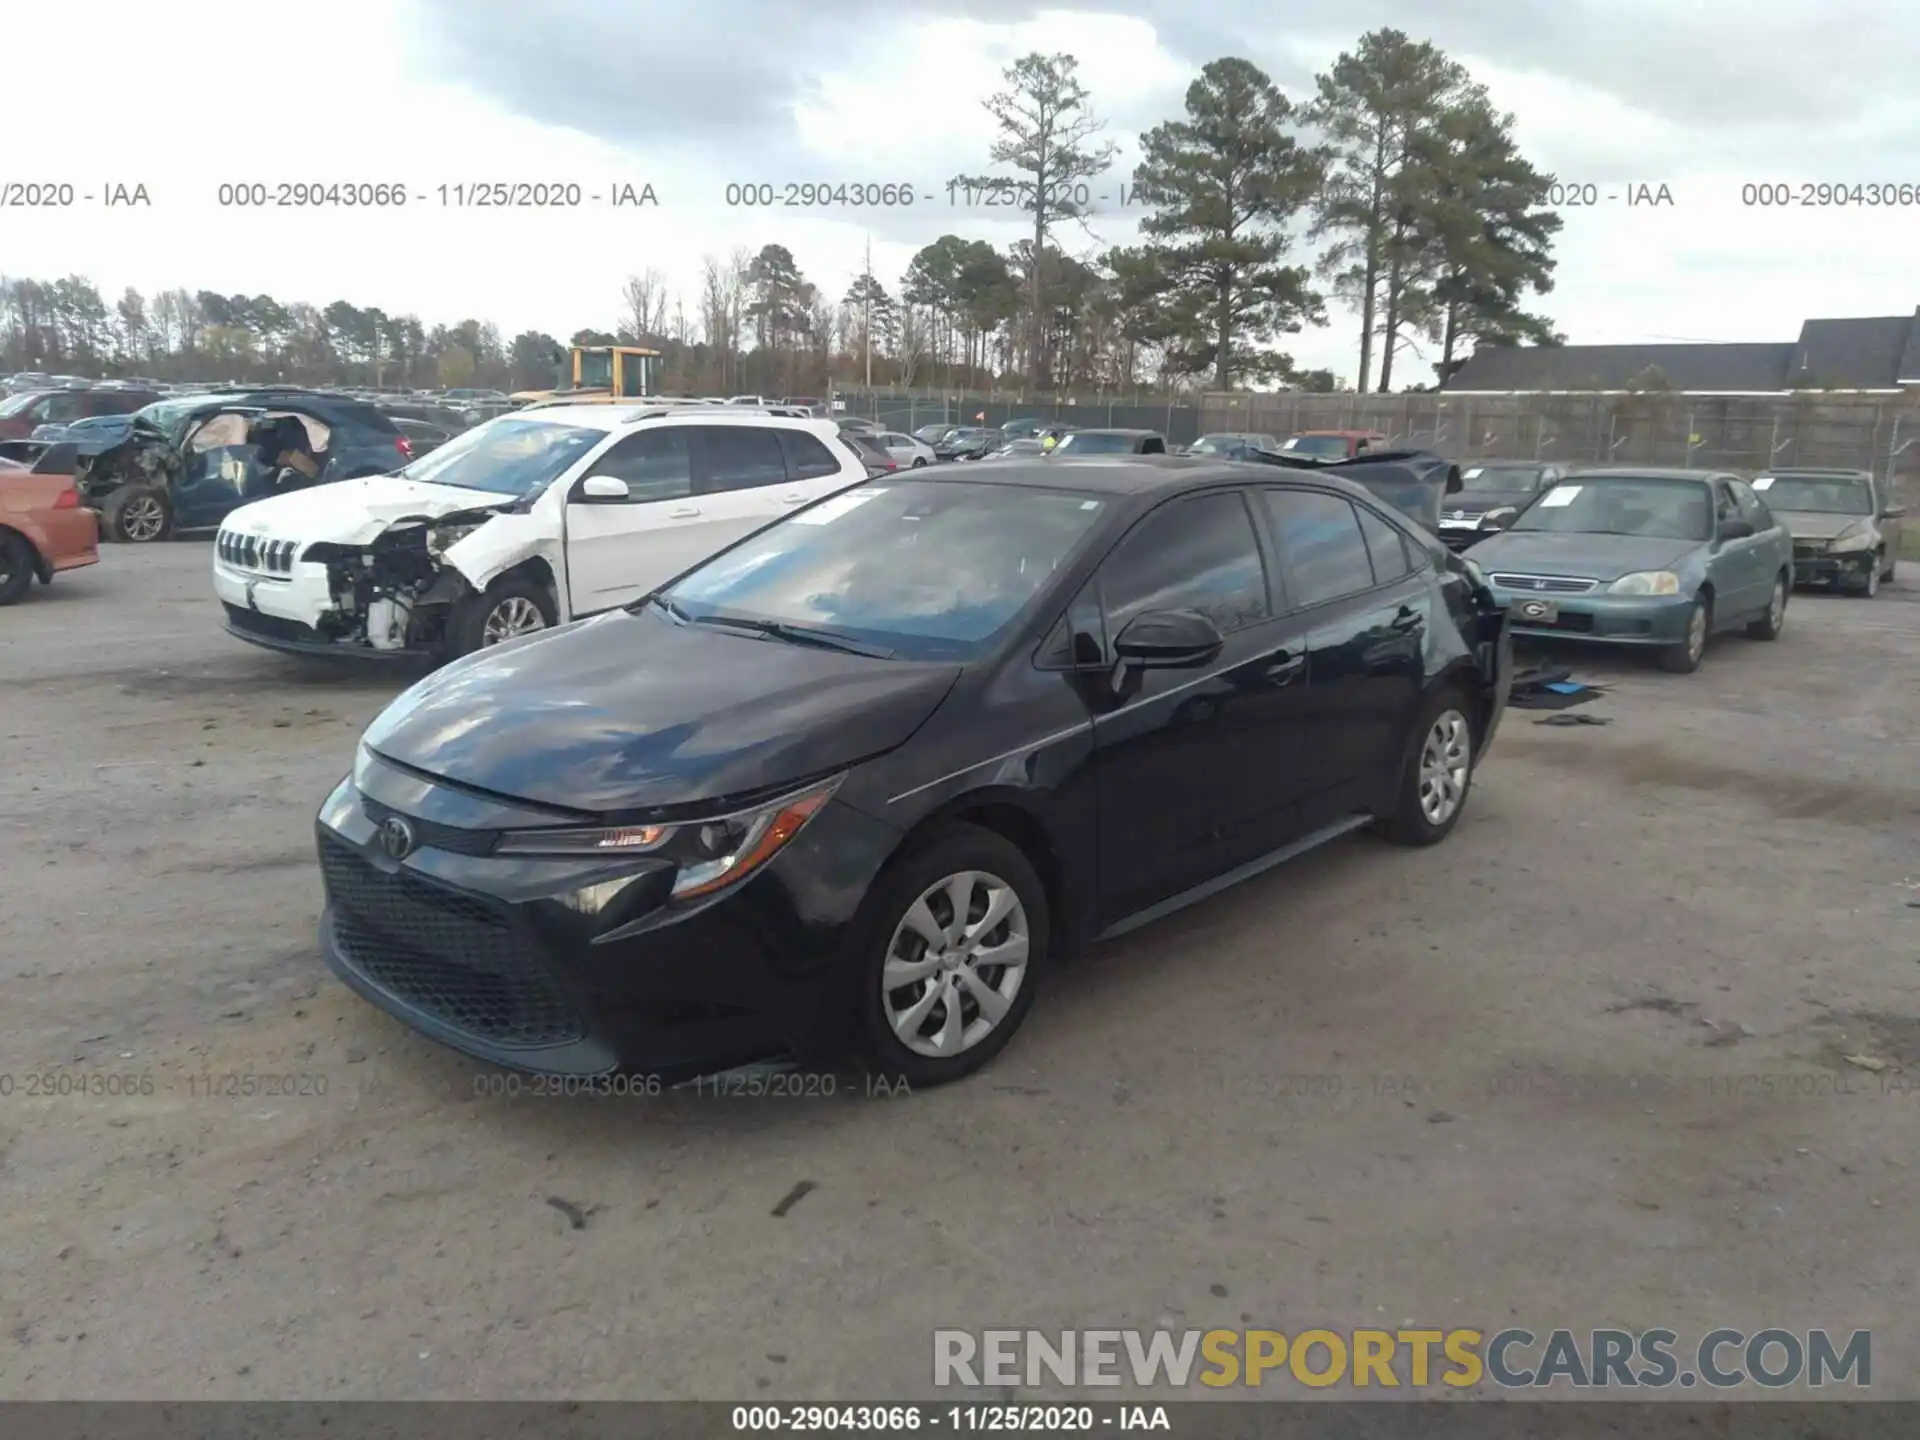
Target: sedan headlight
<point>1646,582</point>
<point>1499,516</point>
<point>710,854</point>
<point>1854,537</point>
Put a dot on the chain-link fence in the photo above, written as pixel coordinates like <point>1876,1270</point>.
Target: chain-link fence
<point>1741,433</point>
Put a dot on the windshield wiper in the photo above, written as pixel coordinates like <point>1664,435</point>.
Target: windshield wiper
<point>796,634</point>
<point>661,602</point>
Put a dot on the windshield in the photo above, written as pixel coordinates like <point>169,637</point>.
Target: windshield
<point>1623,505</point>
<point>1825,495</point>
<point>1091,442</point>
<point>1219,445</point>
<point>1501,479</point>
<point>14,404</point>
<point>927,570</point>
<point>1332,446</point>
<point>508,456</point>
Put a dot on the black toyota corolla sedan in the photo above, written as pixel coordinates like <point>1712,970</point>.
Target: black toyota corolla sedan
<point>868,774</point>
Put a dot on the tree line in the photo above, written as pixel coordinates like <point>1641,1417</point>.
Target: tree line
<point>1427,223</point>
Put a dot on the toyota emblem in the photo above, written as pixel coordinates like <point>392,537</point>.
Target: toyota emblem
<point>396,838</point>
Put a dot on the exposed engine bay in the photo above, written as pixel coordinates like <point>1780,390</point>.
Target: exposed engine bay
<point>397,592</point>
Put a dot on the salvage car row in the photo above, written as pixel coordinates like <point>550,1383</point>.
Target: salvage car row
<point>837,757</point>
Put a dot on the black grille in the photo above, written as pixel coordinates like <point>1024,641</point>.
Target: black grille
<point>435,836</point>
<point>253,552</point>
<point>454,958</point>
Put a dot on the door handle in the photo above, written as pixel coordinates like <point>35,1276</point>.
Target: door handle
<point>1407,621</point>
<point>1281,672</point>
<point>683,512</point>
<point>793,499</point>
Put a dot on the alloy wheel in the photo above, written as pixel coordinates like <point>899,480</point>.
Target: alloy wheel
<point>516,615</point>
<point>1445,758</point>
<point>955,963</point>
<point>142,519</point>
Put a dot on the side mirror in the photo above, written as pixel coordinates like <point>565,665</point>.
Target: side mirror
<point>1735,529</point>
<point>1893,512</point>
<point>1168,640</point>
<point>604,488</point>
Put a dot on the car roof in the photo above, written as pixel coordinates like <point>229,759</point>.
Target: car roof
<point>1819,472</point>
<point>1132,475</point>
<point>1104,430</point>
<point>1650,472</point>
<point>621,417</point>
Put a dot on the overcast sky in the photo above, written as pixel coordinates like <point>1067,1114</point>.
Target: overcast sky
<point>1702,97</point>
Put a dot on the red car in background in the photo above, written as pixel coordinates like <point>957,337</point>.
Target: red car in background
<point>43,526</point>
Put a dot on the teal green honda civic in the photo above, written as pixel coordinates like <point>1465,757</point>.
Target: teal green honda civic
<point>1661,559</point>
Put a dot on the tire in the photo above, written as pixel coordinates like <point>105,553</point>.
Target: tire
<point>1437,775</point>
<point>920,882</point>
<point>1869,585</point>
<point>1769,625</point>
<point>919,463</point>
<point>18,564</point>
<point>1892,571</point>
<point>506,611</point>
<point>138,515</point>
<point>1684,658</point>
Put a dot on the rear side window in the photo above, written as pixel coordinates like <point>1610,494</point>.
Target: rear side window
<point>1198,554</point>
<point>1323,554</point>
<point>807,458</point>
<point>1386,547</point>
<point>1153,445</point>
<point>743,458</point>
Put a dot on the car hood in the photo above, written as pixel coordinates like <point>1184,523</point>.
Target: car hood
<point>352,512</point>
<point>1817,524</point>
<point>630,712</point>
<point>1595,557</point>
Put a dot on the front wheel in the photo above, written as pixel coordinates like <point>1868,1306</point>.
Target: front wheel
<point>1868,586</point>
<point>952,948</point>
<point>512,606</point>
<point>139,516</point>
<point>1684,657</point>
<point>1433,785</point>
<point>1769,625</point>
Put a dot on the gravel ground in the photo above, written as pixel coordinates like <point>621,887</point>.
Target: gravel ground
<point>1581,1066</point>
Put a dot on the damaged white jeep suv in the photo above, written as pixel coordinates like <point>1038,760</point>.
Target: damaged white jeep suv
<point>533,519</point>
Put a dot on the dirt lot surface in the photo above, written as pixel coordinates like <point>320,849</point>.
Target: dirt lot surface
<point>1580,1066</point>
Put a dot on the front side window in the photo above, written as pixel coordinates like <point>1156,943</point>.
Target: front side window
<point>926,570</point>
<point>1323,552</point>
<point>656,464</point>
<point>1199,554</point>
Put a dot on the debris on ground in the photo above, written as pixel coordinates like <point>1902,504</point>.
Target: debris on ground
<point>1867,1062</point>
<point>576,1217</point>
<point>1566,719</point>
<point>794,1196</point>
<point>1543,687</point>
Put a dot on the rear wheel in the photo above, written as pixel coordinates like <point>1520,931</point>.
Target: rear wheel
<point>1769,625</point>
<point>138,515</point>
<point>1432,790</point>
<point>17,564</point>
<point>919,462</point>
<point>953,946</point>
<point>1684,658</point>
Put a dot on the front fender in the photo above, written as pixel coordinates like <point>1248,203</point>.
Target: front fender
<point>502,543</point>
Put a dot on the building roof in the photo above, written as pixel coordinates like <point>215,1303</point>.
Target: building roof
<point>1869,353</point>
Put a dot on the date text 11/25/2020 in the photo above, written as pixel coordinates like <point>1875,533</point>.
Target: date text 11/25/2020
<point>989,194</point>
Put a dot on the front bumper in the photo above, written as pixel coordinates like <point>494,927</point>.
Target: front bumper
<point>480,953</point>
<point>1608,619</point>
<point>282,612</point>
<point>1824,567</point>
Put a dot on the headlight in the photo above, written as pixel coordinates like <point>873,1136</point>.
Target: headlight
<point>1854,537</point>
<point>440,540</point>
<point>1500,516</point>
<point>1646,582</point>
<point>710,854</point>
